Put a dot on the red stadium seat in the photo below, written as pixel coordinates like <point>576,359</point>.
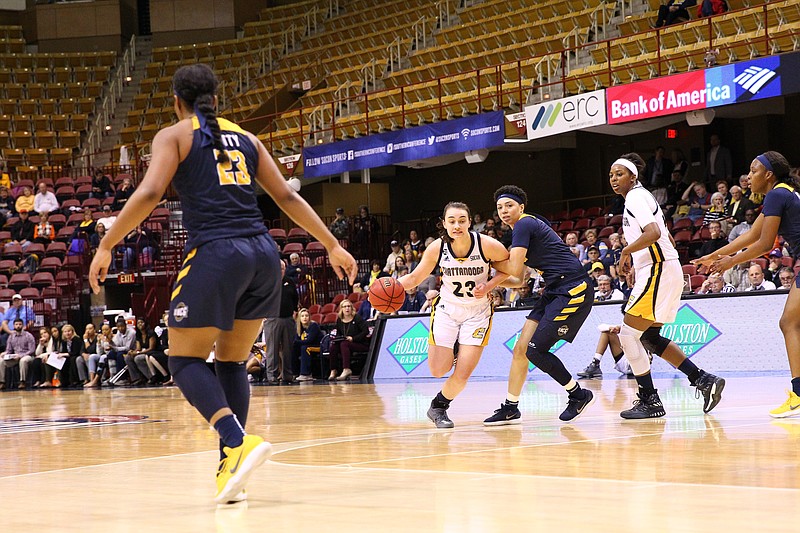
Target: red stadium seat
<point>328,308</point>
<point>292,248</point>
<point>278,235</point>
<point>19,281</point>
<point>29,293</point>
<point>577,213</point>
<point>315,247</point>
<point>337,299</point>
<point>7,294</point>
<point>689,269</point>
<point>681,224</point>
<point>316,317</point>
<point>616,220</point>
<point>593,212</point>
<point>313,309</point>
<point>582,224</point>
<point>298,235</point>
<point>696,281</point>
<point>567,225</point>
<point>605,232</point>
<point>42,279</point>
<point>12,252</point>
<point>683,237</point>
<point>329,319</point>
<point>599,222</point>
<point>760,261</point>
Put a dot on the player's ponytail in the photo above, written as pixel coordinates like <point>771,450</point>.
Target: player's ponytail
<point>196,85</point>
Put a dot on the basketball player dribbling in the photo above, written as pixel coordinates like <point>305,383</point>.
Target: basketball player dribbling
<point>463,311</point>
<point>230,278</point>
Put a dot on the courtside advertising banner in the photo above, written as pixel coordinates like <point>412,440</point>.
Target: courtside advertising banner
<point>718,333</point>
<point>485,130</point>
<point>729,84</point>
<point>566,114</point>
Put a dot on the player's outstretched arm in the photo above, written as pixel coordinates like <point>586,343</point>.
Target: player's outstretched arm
<point>426,265</point>
<point>271,180</point>
<point>164,163</point>
<point>741,242</point>
<point>767,231</point>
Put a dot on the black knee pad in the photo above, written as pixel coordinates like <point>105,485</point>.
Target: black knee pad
<point>542,359</point>
<point>653,342</point>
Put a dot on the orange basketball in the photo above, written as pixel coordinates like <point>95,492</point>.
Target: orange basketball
<point>386,295</point>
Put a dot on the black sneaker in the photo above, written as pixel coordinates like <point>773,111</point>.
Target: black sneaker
<point>438,415</point>
<point>710,386</point>
<point>575,406</point>
<point>505,416</point>
<point>592,371</point>
<point>649,406</point>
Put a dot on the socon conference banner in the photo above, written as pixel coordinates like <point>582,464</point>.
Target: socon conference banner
<point>485,130</point>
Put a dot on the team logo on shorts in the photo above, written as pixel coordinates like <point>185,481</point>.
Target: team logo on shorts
<point>563,330</point>
<point>479,333</point>
<point>181,311</point>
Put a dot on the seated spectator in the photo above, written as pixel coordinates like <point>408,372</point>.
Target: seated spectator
<point>571,240</point>
<point>7,209</point>
<point>722,188</point>
<point>16,310</point>
<point>351,336</point>
<point>597,269</point>
<point>489,224</point>
<point>97,236</point>
<point>22,230</point>
<point>86,227</point>
<point>391,259</point>
<point>592,257</point>
<point>20,348</point>
<point>122,194</point>
<point>591,238</point>
<point>43,349</point>
<point>477,223</point>
<point>140,249</point>
<point>90,338</point>
<point>738,206</point>
<point>305,344</point>
<point>107,220</point>
<point>363,282</point>
<point>715,284</point>
<point>609,338</point>
<point>157,360</point>
<point>98,361</point>
<point>399,261</point>
<point>717,211</point>
<point>614,253</point>
<point>122,343</point>
<point>5,178</point>
<point>24,201</point>
<point>414,301</point>
<point>757,281</point>
<point>786,277</point>
<point>499,299</point>
<point>136,360</point>
<point>708,8</point>
<point>775,264</point>
<point>606,291</point>
<point>738,276</point>
<point>367,312</point>
<point>69,349</point>
<point>295,270</point>
<point>44,232</point>
<point>697,198</point>
<point>45,201</point>
<point>673,12</point>
<point>417,245</point>
<point>410,259</point>
<point>744,183</point>
<point>744,227</point>
<point>101,186</point>
<point>716,241</point>
<point>401,271</point>
<point>430,296</point>
<point>340,227</point>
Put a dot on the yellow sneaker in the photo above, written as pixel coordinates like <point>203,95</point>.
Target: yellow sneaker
<point>791,407</point>
<point>237,466</point>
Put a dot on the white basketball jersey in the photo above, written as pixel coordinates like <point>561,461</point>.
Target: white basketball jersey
<point>460,275</point>
<point>641,208</point>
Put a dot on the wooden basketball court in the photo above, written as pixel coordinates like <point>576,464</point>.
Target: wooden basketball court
<point>352,457</point>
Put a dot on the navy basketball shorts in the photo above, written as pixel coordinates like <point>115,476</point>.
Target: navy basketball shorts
<point>561,311</point>
<point>226,280</point>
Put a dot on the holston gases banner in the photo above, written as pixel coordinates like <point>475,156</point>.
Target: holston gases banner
<point>729,84</point>
<point>566,114</point>
<point>716,333</point>
<point>485,130</point>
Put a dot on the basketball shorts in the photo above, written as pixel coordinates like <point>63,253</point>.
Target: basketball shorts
<point>657,292</point>
<point>226,280</point>
<point>561,311</point>
<point>470,325</point>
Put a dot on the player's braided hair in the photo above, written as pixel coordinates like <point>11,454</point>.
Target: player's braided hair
<point>782,169</point>
<point>452,205</point>
<point>196,85</point>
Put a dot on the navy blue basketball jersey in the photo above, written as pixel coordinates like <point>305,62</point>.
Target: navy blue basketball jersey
<point>547,253</point>
<point>218,199</point>
<point>784,201</point>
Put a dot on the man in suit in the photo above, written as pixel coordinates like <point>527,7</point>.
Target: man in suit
<point>739,205</point>
<point>719,165</point>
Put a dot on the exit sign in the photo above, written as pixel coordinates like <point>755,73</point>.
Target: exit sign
<point>126,278</point>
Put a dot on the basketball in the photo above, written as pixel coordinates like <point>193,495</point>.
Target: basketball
<point>386,295</point>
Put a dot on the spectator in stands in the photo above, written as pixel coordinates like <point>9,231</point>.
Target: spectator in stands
<point>430,296</point>
<point>43,348</point>
<point>86,227</point>
<point>101,186</point>
<point>571,240</point>
<point>351,336</point>
<point>414,301</point>
<point>410,259</point>
<point>90,338</point>
<point>15,311</point>
<point>7,209</point>
<point>523,297</point>
<point>416,244</point>
<point>708,8</point>
<point>498,299</point>
<point>98,361</point>
<point>786,277</point>
<point>491,233</point>
<point>366,230</point>
<point>157,360</point>
<point>366,280</point>
<point>136,361</point>
<point>657,171</point>
<point>24,201</point>
<point>673,12</point>
<point>44,232</point>
<point>775,265</point>
<point>5,178</point>
<point>698,200</point>
<point>399,261</point>
<point>597,270</point>
<point>614,253</point>
<point>122,194</point>
<point>140,248</point>
<point>391,259</point>
<point>20,348</point>
<point>367,312</point>
<point>722,188</point>
<point>306,343</point>
<point>22,230</point>
<point>674,192</point>
<point>45,201</point>
<point>97,236</point>
<point>717,211</point>
<point>591,238</point>
<point>679,163</point>
<point>738,276</point>
<point>738,205</point>
<point>107,220</point>
<point>716,241</point>
<point>122,343</point>
<point>744,183</point>
<point>340,227</point>
<point>296,271</point>
<point>477,223</point>
<point>592,257</point>
<point>606,291</point>
<point>719,165</point>
<point>401,270</point>
<point>69,349</point>
<point>489,224</point>
<point>744,227</point>
<point>757,281</point>
<point>279,332</point>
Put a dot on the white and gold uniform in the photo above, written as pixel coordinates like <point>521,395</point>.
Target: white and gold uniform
<point>657,289</point>
<point>456,313</point>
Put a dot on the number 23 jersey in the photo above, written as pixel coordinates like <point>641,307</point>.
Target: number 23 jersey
<point>460,275</point>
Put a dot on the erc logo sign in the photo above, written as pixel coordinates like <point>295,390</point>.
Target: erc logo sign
<point>510,343</point>
<point>566,114</point>
<point>690,331</point>
<point>411,349</point>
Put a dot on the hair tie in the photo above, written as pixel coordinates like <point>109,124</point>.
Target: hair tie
<point>764,161</point>
<point>206,135</point>
<point>510,196</point>
<point>627,164</point>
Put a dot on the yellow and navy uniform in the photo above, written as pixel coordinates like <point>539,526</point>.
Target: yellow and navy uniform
<point>784,201</point>
<point>231,269</point>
